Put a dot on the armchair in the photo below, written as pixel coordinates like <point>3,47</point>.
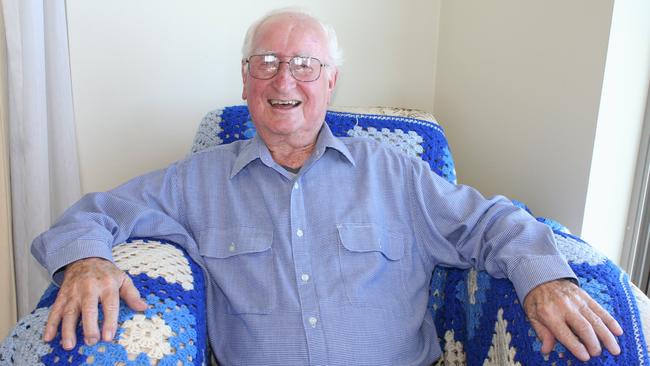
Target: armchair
<point>479,318</point>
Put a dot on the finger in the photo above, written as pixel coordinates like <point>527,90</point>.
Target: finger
<point>131,295</point>
<point>111,307</point>
<point>565,336</point>
<point>545,335</point>
<point>89,314</point>
<point>69,326</point>
<point>584,330</point>
<point>603,332</point>
<point>53,321</point>
<point>606,317</point>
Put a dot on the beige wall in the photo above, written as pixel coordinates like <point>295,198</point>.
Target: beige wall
<point>518,90</point>
<point>516,84</point>
<point>7,285</point>
<point>145,72</point>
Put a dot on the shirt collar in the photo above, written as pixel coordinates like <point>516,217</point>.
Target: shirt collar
<point>327,140</point>
<point>256,149</point>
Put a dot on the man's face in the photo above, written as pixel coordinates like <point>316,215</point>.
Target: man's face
<point>287,36</point>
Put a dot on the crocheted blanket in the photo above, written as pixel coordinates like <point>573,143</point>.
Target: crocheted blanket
<point>482,322</point>
<point>475,329</point>
<point>171,332</point>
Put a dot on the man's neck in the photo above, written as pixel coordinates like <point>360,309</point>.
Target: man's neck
<point>292,157</point>
<point>291,150</point>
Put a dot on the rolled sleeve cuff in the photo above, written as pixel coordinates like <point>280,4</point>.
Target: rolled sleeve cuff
<point>534,271</point>
<point>75,251</point>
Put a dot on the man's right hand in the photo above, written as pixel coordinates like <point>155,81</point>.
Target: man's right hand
<point>87,283</point>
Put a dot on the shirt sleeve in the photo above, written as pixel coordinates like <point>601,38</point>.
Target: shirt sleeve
<point>149,205</point>
<point>457,227</point>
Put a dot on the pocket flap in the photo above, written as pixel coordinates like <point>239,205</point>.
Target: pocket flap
<point>368,238</point>
<point>228,242</point>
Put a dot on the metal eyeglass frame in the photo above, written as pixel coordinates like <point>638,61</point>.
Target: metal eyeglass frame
<point>247,61</point>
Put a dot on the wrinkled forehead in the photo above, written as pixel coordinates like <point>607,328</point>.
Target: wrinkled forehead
<point>290,35</point>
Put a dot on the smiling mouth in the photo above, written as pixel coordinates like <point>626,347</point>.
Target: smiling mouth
<point>284,103</point>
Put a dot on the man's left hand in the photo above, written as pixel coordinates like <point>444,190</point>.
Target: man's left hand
<point>561,311</point>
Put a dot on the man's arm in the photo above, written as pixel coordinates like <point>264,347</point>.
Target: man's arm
<point>77,251</point>
<point>457,227</point>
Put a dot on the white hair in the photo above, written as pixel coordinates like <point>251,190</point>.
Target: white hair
<point>335,53</point>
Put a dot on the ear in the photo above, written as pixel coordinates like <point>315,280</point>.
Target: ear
<point>331,82</point>
<point>332,77</point>
<point>244,75</point>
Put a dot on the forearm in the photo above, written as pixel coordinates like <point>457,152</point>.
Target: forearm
<point>144,206</point>
<point>457,227</point>
<point>512,244</point>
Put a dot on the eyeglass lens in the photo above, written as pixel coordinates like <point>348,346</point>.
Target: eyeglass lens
<point>267,66</point>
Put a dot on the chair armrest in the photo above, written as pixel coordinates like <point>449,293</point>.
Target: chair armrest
<point>171,331</point>
<point>483,323</point>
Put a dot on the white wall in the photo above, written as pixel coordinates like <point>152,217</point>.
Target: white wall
<point>620,121</point>
<point>145,72</point>
<point>518,89</point>
<point>516,84</point>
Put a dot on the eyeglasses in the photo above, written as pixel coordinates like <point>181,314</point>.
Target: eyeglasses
<point>302,68</point>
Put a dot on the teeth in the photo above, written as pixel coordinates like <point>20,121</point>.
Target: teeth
<point>284,102</point>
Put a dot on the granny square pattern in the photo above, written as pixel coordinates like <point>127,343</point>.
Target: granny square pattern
<point>482,322</point>
<point>172,331</point>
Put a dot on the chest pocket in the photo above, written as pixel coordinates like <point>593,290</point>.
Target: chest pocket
<point>242,263</point>
<point>372,267</point>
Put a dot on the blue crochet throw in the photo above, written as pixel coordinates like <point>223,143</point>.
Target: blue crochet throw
<point>479,318</point>
<point>172,331</point>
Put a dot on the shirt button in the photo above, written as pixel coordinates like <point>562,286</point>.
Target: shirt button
<point>304,277</point>
<point>296,185</point>
<point>231,248</point>
<point>313,321</point>
<point>299,233</point>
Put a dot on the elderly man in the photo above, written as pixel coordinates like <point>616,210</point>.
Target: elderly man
<point>297,275</point>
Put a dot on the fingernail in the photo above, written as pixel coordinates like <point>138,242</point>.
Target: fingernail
<point>90,341</point>
<point>67,344</point>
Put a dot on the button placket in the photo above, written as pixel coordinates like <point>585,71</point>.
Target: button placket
<point>306,286</point>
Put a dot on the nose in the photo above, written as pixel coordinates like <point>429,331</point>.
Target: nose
<point>284,78</point>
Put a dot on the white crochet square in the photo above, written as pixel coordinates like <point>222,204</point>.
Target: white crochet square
<point>154,259</point>
<point>577,252</point>
<point>409,143</point>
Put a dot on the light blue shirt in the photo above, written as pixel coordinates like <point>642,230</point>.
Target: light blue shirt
<point>328,267</point>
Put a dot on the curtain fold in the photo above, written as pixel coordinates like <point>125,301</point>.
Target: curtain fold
<point>42,136</point>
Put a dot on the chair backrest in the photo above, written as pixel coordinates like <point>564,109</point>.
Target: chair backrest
<point>414,132</point>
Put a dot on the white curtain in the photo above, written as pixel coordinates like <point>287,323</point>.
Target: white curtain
<point>42,137</point>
